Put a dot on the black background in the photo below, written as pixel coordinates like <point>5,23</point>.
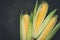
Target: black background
<point>9,16</point>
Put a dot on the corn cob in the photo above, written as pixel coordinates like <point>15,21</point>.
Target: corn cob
<point>25,24</point>
<point>41,13</point>
<point>48,28</point>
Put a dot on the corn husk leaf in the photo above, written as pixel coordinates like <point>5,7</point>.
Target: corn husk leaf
<point>35,9</point>
<point>21,26</point>
<point>30,28</point>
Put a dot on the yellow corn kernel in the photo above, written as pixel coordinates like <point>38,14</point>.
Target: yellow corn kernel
<point>48,28</point>
<point>41,13</point>
<point>25,24</point>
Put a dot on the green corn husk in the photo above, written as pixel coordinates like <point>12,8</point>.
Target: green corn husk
<point>30,28</point>
<point>21,26</point>
<point>35,9</point>
<point>29,34</point>
<point>34,15</point>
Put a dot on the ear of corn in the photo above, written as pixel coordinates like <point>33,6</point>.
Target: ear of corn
<point>53,32</point>
<point>41,13</point>
<point>45,22</point>
<point>25,24</point>
<point>48,28</point>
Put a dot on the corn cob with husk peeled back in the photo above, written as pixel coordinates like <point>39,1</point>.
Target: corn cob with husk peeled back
<point>48,28</point>
<point>38,26</point>
<point>41,13</point>
<point>24,23</point>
